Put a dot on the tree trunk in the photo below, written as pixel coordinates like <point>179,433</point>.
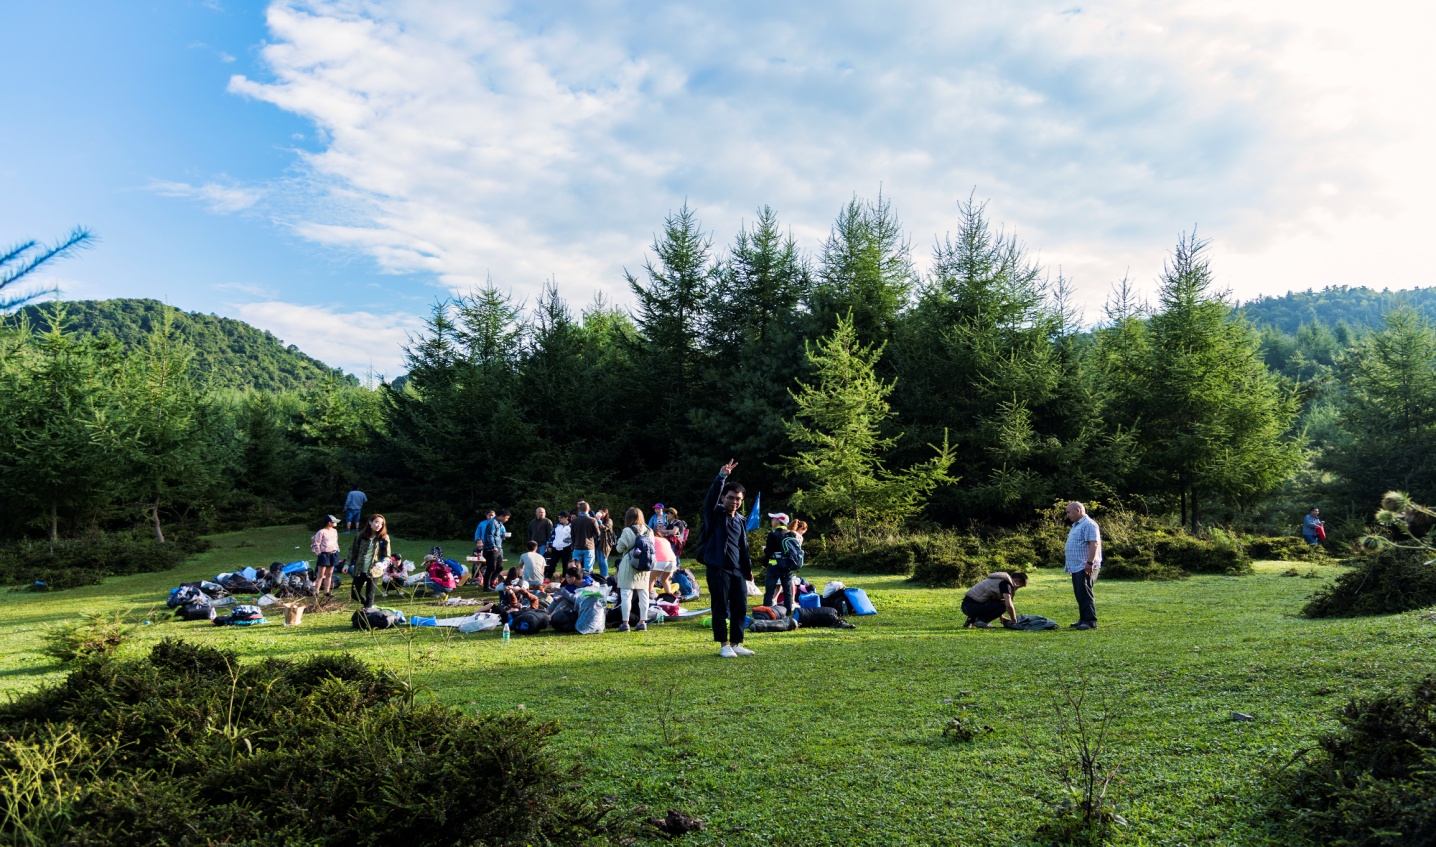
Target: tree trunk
<point>54,521</point>
<point>155,512</point>
<point>1196,514</point>
<point>858,530</point>
<point>1184,507</point>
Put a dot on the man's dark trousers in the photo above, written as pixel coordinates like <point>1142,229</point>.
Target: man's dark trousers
<point>776,575</point>
<point>728,591</point>
<point>1086,605</point>
<point>493,567</point>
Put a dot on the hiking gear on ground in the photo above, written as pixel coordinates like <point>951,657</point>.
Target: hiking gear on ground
<point>195,612</point>
<point>528,621</point>
<point>810,601</point>
<point>1032,623</point>
<point>858,599</point>
<point>819,617</point>
<point>376,619</point>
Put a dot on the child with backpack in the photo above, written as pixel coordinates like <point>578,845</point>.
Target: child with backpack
<point>784,552</point>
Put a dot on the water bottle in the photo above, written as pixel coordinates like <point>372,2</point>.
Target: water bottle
<point>506,633</point>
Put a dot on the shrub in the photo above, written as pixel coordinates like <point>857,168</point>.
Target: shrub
<point>1372,782</point>
<point>950,570</point>
<point>1385,582</point>
<point>1127,561</point>
<point>97,634</point>
<point>68,563</point>
<point>188,746</point>
<point>1284,548</point>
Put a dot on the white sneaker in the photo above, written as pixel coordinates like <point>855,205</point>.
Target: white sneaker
<point>740,650</point>
<point>727,653</point>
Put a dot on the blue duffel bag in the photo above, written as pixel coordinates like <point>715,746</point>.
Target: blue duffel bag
<point>858,599</point>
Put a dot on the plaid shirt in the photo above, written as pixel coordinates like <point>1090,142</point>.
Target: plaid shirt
<point>1082,532</point>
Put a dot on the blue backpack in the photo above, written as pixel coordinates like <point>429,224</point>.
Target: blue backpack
<point>644,554</point>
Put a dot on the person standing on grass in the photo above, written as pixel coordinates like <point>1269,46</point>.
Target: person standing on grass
<point>991,599</point>
<point>774,572</point>
<point>1312,527</point>
<point>493,542</point>
<point>540,529</point>
<point>1084,561</point>
<point>723,549</point>
<point>561,544</point>
<point>632,584</point>
<point>583,530</point>
<point>605,543</point>
<point>325,545</point>
<point>353,505</point>
<point>366,558</point>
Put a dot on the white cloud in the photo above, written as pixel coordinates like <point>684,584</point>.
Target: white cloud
<point>358,342</point>
<point>222,199</point>
<point>463,138</point>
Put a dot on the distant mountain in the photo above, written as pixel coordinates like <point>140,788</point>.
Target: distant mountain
<point>1360,308</point>
<point>231,353</point>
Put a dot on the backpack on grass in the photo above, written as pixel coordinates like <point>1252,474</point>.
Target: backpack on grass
<point>528,621</point>
<point>200,611</point>
<point>376,619</point>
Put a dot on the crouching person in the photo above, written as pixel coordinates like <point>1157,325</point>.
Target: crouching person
<point>992,599</point>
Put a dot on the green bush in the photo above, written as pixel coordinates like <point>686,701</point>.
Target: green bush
<point>1284,548</point>
<point>188,746</point>
<point>1373,782</point>
<point>1131,562</point>
<point>1381,583</point>
<point>68,563</point>
<point>951,570</point>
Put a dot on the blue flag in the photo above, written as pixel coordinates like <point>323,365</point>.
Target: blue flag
<point>755,517</point>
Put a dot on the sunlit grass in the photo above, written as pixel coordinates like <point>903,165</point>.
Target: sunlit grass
<point>830,736</point>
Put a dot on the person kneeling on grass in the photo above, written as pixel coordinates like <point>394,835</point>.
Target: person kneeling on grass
<point>992,599</point>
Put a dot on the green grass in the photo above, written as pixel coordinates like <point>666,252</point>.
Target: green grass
<point>835,737</point>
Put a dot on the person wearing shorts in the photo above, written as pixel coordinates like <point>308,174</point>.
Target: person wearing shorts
<point>353,506</point>
<point>325,545</point>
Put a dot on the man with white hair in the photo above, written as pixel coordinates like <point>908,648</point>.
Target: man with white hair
<point>1084,560</point>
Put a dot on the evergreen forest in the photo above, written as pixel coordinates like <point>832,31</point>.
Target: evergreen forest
<point>972,394</point>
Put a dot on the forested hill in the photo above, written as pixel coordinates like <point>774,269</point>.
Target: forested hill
<point>1360,308</point>
<point>231,353</point>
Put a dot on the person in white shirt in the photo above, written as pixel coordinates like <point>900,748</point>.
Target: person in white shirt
<point>533,563</point>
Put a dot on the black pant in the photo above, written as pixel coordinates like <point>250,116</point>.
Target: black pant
<point>774,576</point>
<point>728,591</point>
<point>493,565</point>
<point>362,589</point>
<point>985,612</point>
<point>1086,606</point>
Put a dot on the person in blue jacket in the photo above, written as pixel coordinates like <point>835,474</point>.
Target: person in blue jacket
<point>489,538</point>
<point>723,549</point>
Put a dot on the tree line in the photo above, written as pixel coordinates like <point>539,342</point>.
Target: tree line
<point>973,384</point>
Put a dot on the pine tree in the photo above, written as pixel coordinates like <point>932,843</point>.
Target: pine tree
<point>837,432</point>
<point>866,271</point>
<point>1213,421</point>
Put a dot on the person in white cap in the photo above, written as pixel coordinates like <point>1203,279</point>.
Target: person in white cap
<point>775,574</point>
<point>325,545</point>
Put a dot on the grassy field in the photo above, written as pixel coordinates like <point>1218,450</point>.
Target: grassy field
<point>834,736</point>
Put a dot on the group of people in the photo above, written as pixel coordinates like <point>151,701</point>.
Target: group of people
<point>584,542</point>
<point>992,598</point>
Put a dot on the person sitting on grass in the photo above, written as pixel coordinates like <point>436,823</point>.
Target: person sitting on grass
<point>991,599</point>
<point>441,579</point>
<point>514,593</point>
<point>533,564</point>
<point>575,580</point>
<point>396,570</point>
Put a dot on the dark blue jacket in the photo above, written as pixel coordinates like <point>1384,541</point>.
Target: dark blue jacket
<point>711,539</point>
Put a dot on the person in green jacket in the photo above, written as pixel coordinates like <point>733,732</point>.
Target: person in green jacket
<point>366,560</point>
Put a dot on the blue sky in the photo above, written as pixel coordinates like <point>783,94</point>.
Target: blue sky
<point>326,170</point>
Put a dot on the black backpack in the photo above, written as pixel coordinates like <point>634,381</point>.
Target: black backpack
<point>529,621</point>
<point>766,625</point>
<point>374,619</point>
<point>563,614</point>
<point>195,612</point>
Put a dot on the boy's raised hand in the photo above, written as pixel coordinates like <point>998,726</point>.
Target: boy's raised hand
<point>728,468</point>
